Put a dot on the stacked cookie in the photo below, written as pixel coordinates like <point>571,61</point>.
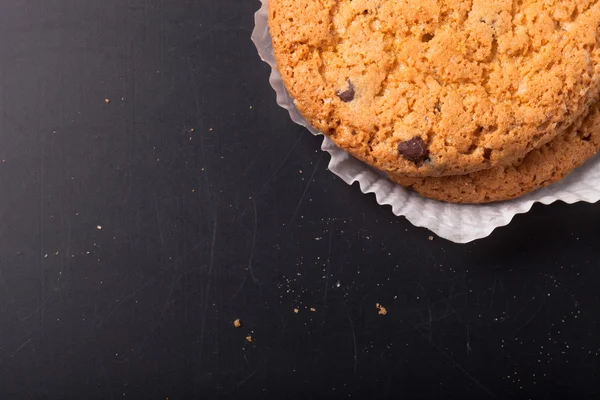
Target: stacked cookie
<point>467,101</point>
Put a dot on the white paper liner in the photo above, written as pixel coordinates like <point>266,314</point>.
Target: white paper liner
<point>457,223</point>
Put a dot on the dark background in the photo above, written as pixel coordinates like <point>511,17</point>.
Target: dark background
<point>134,232</point>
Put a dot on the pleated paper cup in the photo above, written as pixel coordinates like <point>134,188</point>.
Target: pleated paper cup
<point>458,223</point>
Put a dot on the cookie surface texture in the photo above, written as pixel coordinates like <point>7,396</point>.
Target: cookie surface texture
<point>480,83</point>
<point>541,167</point>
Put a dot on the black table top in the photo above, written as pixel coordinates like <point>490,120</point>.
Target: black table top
<point>152,192</point>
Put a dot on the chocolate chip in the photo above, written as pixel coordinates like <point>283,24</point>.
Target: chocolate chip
<point>414,149</point>
<point>487,154</point>
<point>348,94</point>
<point>428,37</point>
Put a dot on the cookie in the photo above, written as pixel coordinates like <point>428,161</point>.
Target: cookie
<point>438,87</point>
<point>541,167</point>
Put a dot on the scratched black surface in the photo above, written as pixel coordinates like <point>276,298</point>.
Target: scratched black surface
<point>133,232</point>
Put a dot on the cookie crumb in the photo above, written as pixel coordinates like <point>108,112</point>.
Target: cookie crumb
<point>249,339</point>
<point>313,309</point>
<point>107,101</point>
<point>431,238</point>
<point>296,311</point>
<point>210,129</point>
<point>382,309</point>
<point>237,323</point>
<point>99,227</point>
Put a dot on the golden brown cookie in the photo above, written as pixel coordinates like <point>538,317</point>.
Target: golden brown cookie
<point>541,167</point>
<point>438,87</point>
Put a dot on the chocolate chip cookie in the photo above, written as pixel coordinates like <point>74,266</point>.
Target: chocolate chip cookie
<point>541,167</point>
<point>438,87</point>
